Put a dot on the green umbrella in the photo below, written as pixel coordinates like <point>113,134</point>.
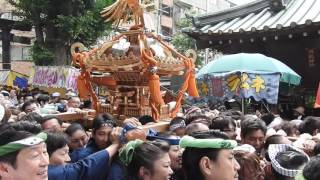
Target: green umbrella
<point>254,63</point>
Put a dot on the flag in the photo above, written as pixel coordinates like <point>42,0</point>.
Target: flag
<point>17,79</point>
<point>317,103</point>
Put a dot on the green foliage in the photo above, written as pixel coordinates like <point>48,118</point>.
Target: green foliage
<point>310,99</point>
<point>59,23</point>
<point>33,10</point>
<point>184,22</point>
<point>182,42</point>
<point>86,27</point>
<point>41,55</point>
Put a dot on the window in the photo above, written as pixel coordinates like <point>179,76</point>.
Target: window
<point>165,10</point>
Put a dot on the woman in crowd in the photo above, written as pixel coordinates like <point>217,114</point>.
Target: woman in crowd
<point>78,138</point>
<point>208,156</point>
<point>57,147</point>
<point>147,160</point>
<point>250,167</point>
<point>175,153</point>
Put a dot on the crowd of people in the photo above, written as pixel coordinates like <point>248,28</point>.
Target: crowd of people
<point>201,143</point>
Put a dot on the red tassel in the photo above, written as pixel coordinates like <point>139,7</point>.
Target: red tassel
<point>154,87</point>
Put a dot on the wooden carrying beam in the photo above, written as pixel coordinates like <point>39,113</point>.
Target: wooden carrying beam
<point>161,126</point>
<point>71,116</point>
<point>81,117</point>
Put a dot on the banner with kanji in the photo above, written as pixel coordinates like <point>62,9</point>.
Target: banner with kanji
<point>317,103</point>
<point>57,77</point>
<point>240,84</point>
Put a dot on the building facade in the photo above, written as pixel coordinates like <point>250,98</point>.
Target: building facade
<point>16,40</point>
<point>171,11</point>
<point>288,30</point>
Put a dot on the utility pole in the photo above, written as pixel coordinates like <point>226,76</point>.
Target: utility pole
<point>6,48</point>
<point>206,56</point>
<point>159,16</point>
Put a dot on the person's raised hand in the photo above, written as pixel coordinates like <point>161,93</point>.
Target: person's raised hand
<point>115,140</point>
<point>115,135</point>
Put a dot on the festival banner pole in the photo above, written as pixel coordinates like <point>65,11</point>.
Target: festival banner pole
<point>243,105</point>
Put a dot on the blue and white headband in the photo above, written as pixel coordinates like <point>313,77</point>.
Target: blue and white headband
<point>170,141</point>
<point>173,127</point>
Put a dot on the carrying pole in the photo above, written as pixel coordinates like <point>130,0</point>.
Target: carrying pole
<point>242,105</point>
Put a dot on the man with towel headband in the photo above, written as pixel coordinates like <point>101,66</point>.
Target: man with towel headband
<point>22,155</point>
<point>209,156</point>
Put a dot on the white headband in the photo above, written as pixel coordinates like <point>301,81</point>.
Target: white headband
<point>30,141</point>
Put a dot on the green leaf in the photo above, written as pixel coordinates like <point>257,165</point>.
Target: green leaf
<point>63,22</point>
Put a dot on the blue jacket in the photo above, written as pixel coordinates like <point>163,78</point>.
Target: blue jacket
<point>94,167</point>
<point>81,153</point>
<point>117,171</point>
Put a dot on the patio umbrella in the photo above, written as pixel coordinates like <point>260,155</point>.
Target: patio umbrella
<point>254,63</point>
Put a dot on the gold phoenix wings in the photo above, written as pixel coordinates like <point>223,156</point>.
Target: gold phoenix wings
<point>124,10</point>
